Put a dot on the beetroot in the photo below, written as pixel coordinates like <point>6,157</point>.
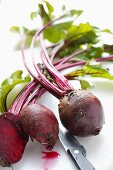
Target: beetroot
<point>40,123</point>
<point>12,141</point>
<point>12,137</point>
<point>81,113</point>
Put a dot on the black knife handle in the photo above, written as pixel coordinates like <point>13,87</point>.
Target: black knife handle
<point>81,162</point>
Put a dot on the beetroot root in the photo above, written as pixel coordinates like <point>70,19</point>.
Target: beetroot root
<point>40,124</point>
<point>81,113</point>
<point>12,141</point>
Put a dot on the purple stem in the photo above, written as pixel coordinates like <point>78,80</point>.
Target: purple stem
<point>20,101</point>
<point>32,97</point>
<point>36,94</point>
<point>68,65</point>
<point>105,58</point>
<point>40,77</point>
<point>57,79</point>
<point>59,67</point>
<point>21,98</point>
<point>64,60</point>
<point>56,50</point>
<point>79,63</point>
<point>60,79</point>
<point>44,79</point>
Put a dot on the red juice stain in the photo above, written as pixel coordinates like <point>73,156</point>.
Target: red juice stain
<point>48,157</point>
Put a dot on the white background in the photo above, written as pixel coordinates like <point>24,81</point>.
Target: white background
<point>99,13</point>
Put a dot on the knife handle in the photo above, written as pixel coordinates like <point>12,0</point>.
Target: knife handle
<point>79,159</point>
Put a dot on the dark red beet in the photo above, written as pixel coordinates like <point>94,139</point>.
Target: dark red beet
<point>81,113</point>
<point>12,141</point>
<point>40,124</point>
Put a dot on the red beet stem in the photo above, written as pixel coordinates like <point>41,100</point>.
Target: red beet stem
<point>51,68</point>
<point>64,60</point>
<point>56,50</point>
<point>41,90</point>
<point>37,95</point>
<point>32,98</point>
<point>21,98</point>
<point>39,76</point>
<point>80,63</point>
<point>68,65</point>
<point>60,79</point>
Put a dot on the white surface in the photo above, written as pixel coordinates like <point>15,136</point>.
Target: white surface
<point>100,148</point>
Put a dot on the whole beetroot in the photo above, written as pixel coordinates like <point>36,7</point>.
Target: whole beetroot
<point>81,113</point>
<point>40,123</point>
<point>12,140</point>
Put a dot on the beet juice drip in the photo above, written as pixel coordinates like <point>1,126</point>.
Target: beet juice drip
<point>50,155</point>
<point>49,158</point>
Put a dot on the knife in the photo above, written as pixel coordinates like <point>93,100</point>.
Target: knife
<point>75,150</point>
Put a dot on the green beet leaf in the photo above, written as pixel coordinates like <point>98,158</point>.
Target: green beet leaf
<point>107,31</point>
<point>91,70</point>
<point>49,7</point>
<point>15,29</point>
<point>77,31</point>
<point>95,52</point>
<point>43,14</point>
<point>8,84</point>
<point>85,84</point>
<point>108,48</point>
<point>57,32</point>
<point>76,13</point>
<point>33,15</point>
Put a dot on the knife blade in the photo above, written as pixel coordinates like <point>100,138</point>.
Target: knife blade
<point>75,150</point>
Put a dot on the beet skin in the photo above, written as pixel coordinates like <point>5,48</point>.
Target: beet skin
<point>12,141</point>
<point>40,124</point>
<point>81,113</point>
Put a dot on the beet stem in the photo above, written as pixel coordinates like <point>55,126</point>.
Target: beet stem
<point>64,60</point>
<point>21,98</point>
<point>56,50</point>
<point>32,97</point>
<point>79,63</point>
<point>60,79</point>
<point>62,82</point>
<point>39,77</point>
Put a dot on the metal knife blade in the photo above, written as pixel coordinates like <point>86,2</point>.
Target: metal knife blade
<point>75,150</point>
